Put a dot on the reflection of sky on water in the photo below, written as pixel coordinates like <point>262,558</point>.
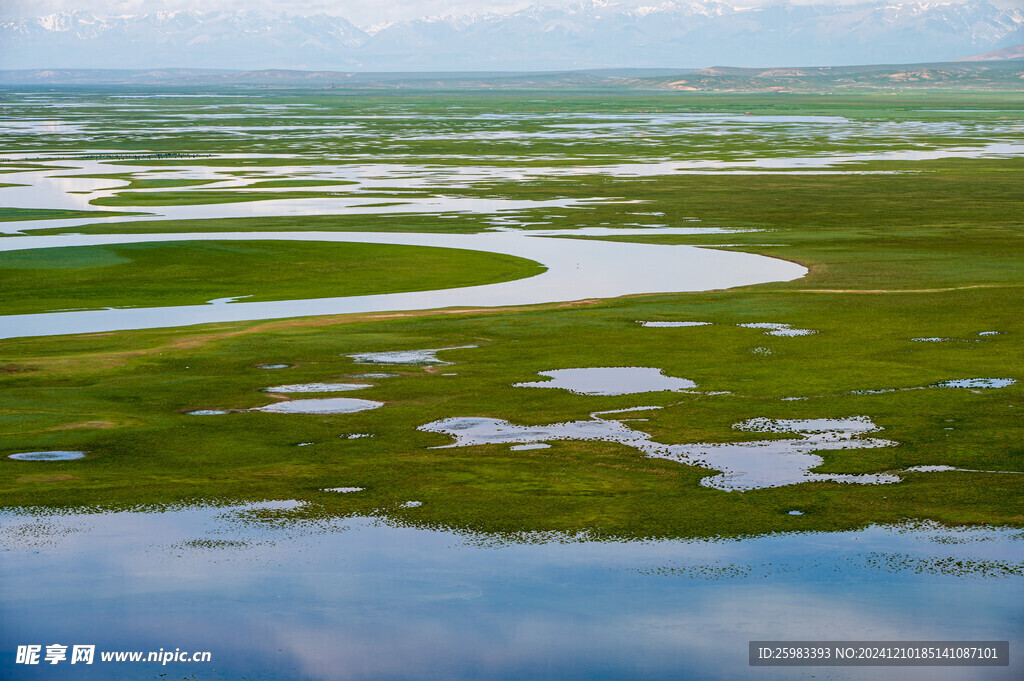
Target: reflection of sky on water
<point>350,599</point>
<point>609,380</point>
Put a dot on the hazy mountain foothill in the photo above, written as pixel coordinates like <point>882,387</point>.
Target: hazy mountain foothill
<point>960,75</point>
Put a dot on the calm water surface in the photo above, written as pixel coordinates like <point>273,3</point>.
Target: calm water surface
<point>360,599</point>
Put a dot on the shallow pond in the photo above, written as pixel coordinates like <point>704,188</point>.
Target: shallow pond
<point>977,383</point>
<point>327,405</point>
<point>316,387</point>
<point>410,357</point>
<point>610,381</point>
<point>360,599</point>
<point>55,455</point>
<point>755,464</point>
<point>781,330</point>
<point>673,325</point>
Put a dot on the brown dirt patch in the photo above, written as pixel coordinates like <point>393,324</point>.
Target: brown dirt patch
<point>46,478</point>
<point>85,424</point>
<point>16,368</point>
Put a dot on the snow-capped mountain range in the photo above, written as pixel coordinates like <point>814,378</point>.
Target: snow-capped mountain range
<point>592,34</point>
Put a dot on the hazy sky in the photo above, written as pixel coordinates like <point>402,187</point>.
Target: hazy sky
<point>360,12</point>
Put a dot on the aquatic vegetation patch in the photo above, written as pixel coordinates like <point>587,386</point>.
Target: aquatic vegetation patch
<point>210,544</point>
<point>948,565</point>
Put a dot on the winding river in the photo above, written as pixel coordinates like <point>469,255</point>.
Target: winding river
<point>577,269</point>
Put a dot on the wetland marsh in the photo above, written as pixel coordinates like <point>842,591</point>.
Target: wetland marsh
<point>656,367</point>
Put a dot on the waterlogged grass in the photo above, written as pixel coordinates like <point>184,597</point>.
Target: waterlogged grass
<point>198,197</point>
<point>930,252</point>
<point>446,125</point>
<point>191,273</point>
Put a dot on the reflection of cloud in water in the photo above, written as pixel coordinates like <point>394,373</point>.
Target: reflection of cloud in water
<point>359,599</point>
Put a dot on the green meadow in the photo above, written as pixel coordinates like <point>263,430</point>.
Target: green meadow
<point>191,273</point>
<point>897,249</point>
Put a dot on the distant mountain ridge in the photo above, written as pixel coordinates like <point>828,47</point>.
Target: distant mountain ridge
<point>1012,52</point>
<point>989,75</point>
<point>591,34</point>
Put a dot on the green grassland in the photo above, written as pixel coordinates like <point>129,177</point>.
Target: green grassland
<point>191,273</point>
<point>16,214</point>
<point>932,249</point>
